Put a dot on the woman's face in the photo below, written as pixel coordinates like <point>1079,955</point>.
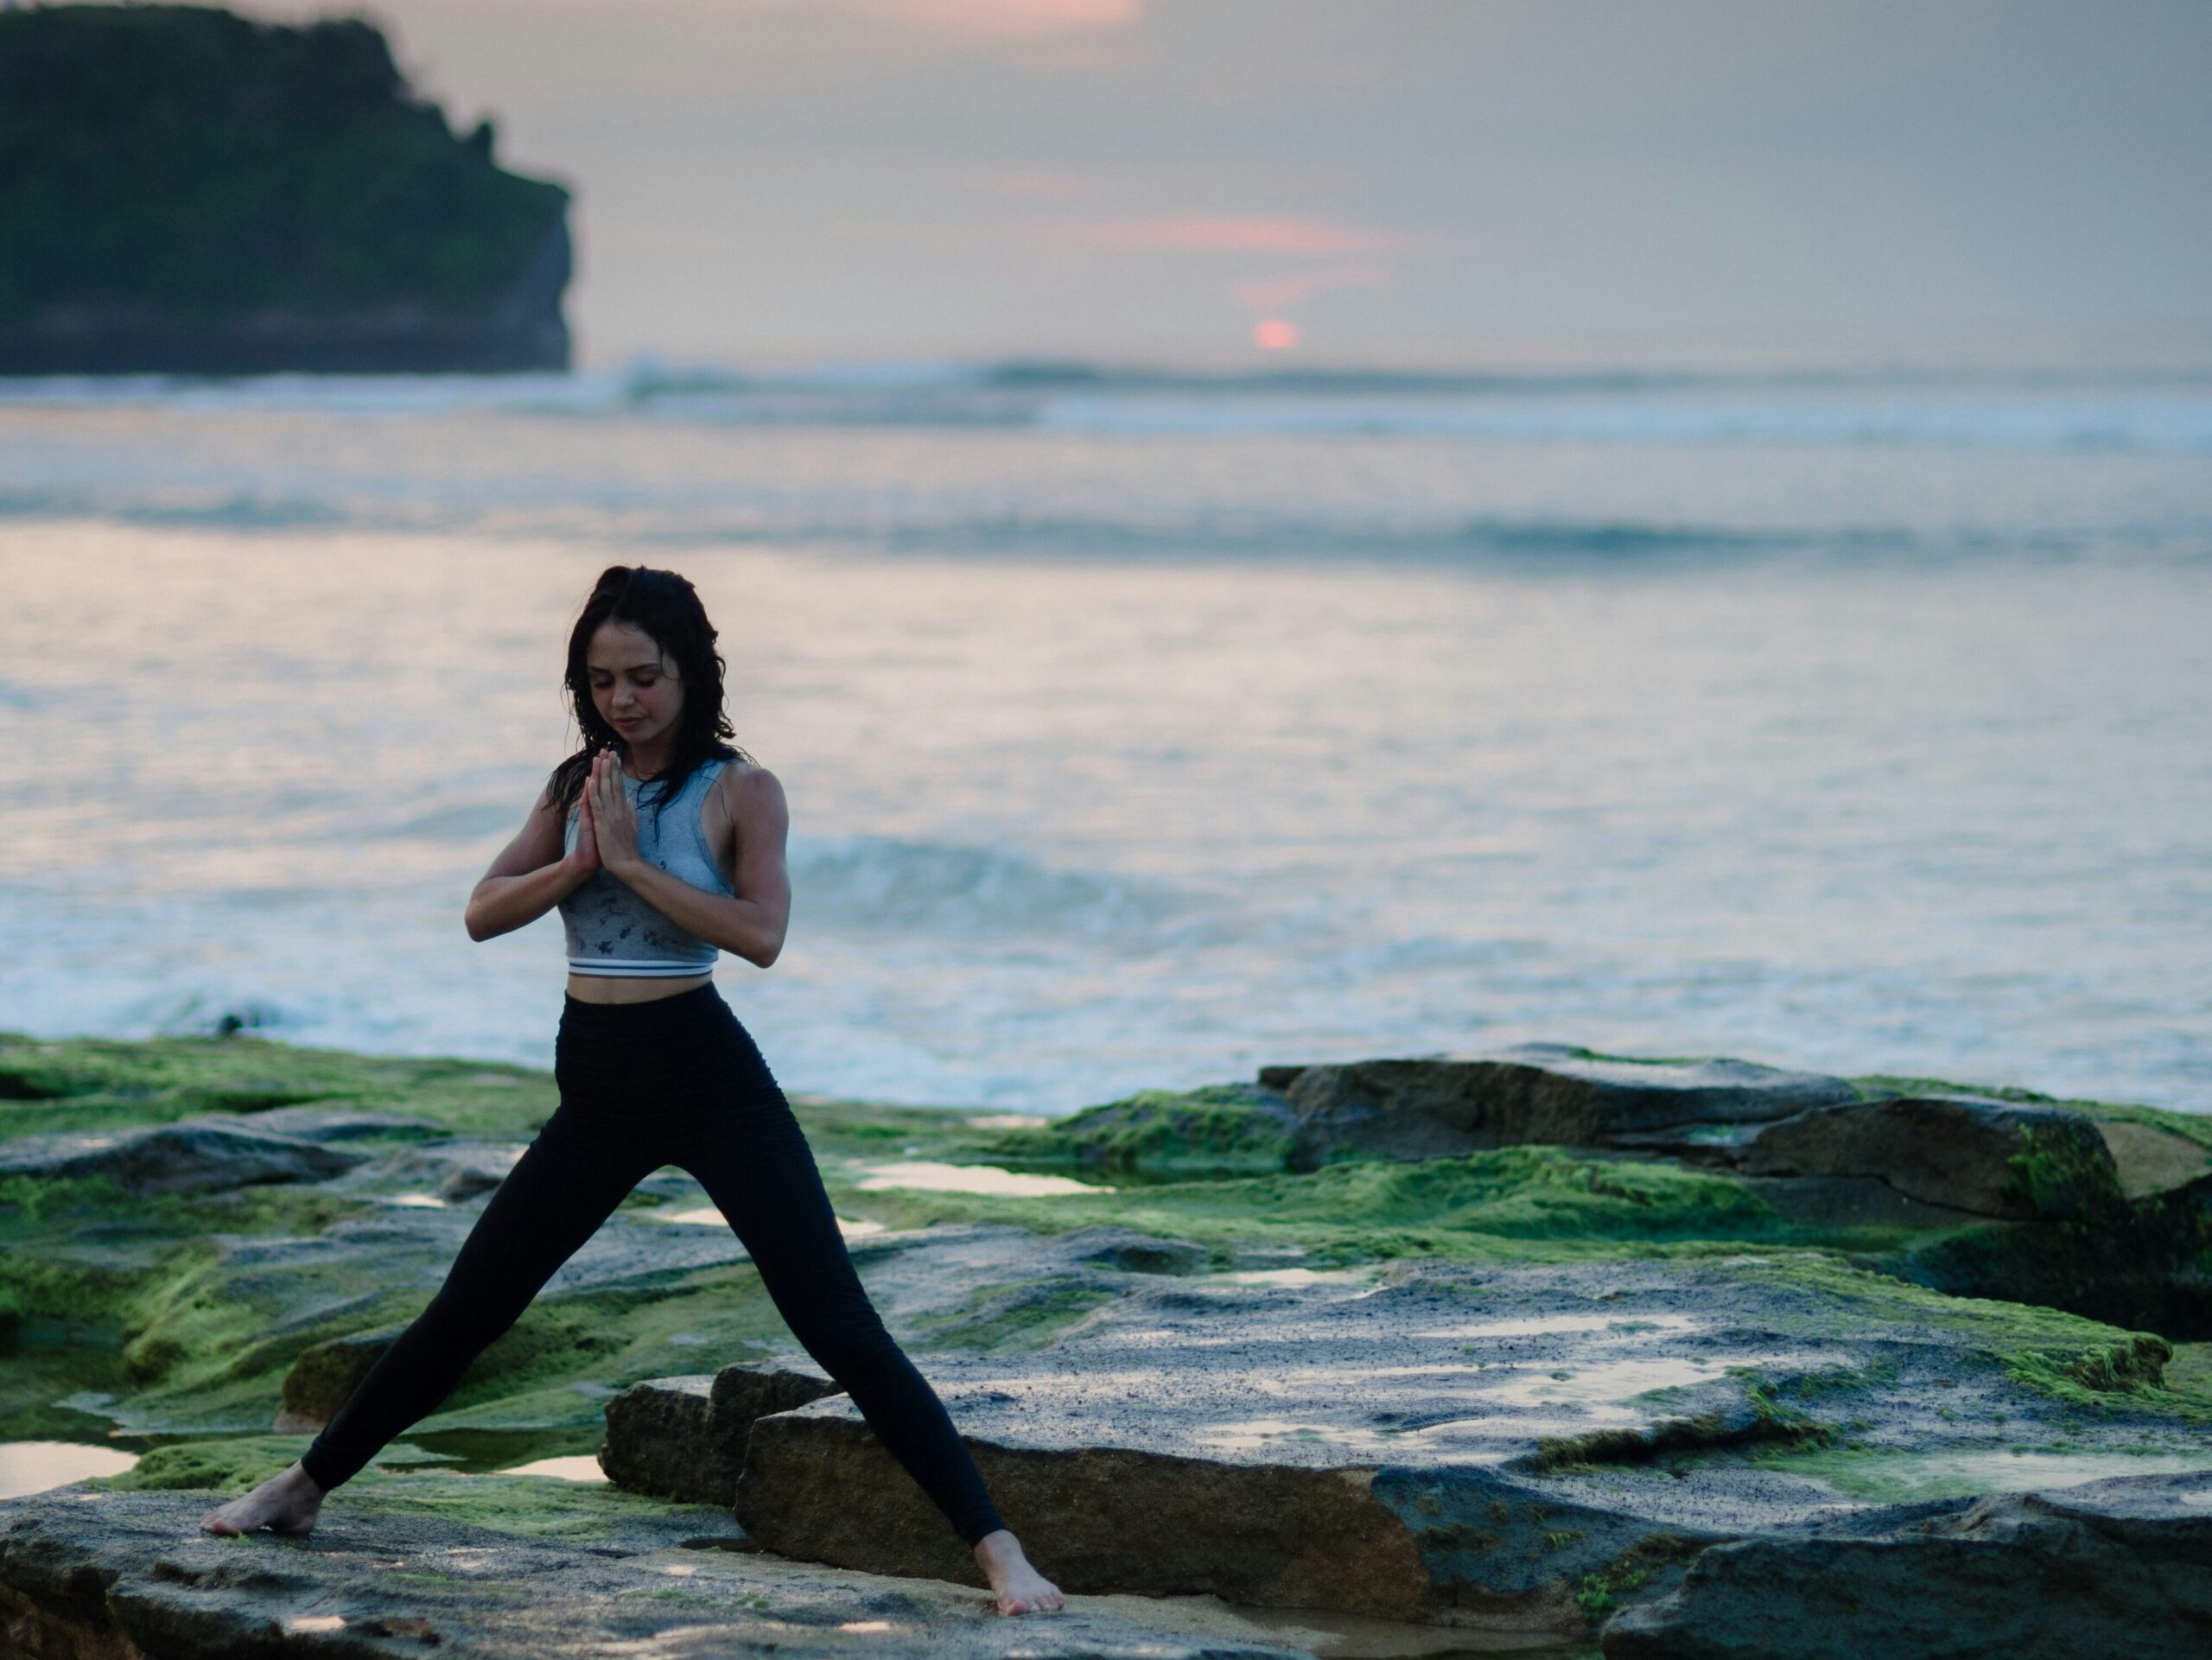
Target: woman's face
<point>633,685</point>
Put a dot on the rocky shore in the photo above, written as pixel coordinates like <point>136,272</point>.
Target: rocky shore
<point>1538,1351</point>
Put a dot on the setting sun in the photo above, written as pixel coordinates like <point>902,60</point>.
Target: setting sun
<point>1275,334</point>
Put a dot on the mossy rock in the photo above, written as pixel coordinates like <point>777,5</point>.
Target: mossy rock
<point>1221,1130</point>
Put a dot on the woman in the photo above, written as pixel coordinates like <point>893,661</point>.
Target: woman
<point>661,844</point>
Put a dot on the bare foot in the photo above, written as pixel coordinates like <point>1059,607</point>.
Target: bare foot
<point>1020,1589</point>
<point>285,1503</point>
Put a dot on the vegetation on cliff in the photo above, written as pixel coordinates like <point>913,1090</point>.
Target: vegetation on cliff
<point>171,176</point>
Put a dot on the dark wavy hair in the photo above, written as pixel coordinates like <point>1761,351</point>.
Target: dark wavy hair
<point>666,607</point>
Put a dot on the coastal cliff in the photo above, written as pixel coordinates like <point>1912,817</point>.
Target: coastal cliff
<point>186,191</point>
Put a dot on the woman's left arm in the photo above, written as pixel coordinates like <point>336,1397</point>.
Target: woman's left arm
<point>751,925</point>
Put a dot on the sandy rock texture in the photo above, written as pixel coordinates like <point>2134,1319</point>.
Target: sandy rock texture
<point>1439,1442</point>
<point>129,1576</point>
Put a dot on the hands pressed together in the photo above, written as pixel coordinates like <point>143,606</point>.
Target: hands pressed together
<point>606,823</point>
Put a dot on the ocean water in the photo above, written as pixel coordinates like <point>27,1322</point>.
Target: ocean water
<point>1139,729</point>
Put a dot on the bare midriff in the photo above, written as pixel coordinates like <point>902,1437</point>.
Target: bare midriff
<point>609,988</point>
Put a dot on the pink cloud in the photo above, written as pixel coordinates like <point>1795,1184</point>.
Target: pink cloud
<point>1225,235</point>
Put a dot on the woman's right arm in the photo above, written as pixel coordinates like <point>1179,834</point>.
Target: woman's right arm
<point>531,876</point>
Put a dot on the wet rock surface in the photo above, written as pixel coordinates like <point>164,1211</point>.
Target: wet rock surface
<point>1991,1158</point>
<point>323,1377</point>
<point>1439,1443</point>
<point>685,1437</point>
<point>2119,1566</point>
<point>455,1171</point>
<point>198,1155</point>
<point>2149,1159</point>
<point>1542,1343</point>
<point>1536,1092</point>
<point>313,1123</point>
<point>742,1394</point>
<point>1130,1252</point>
<point>310,1297</point>
<point>114,1573</point>
<point>2112,1213</point>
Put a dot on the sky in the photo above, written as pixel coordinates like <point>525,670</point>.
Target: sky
<point>1437,183</point>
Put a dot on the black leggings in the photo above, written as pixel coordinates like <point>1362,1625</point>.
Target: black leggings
<point>674,1081</point>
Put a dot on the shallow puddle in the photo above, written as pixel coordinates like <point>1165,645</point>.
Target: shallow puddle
<point>1326,1633</point>
<point>1602,1389</point>
<point>37,1467</point>
<point>1558,1325</point>
<point>1902,1476</point>
<point>707,1215</point>
<point>485,1452</point>
<point>926,1177</point>
<point>417,1201</point>
<point>1257,1434</point>
<point>583,1466</point>
<point>1299,1276</point>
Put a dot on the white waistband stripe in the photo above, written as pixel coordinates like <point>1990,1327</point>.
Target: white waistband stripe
<point>637,968</point>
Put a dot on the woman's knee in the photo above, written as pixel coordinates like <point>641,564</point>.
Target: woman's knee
<point>472,1315</point>
<point>849,1344</point>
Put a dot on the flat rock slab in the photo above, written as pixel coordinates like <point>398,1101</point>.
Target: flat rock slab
<point>2149,1159</point>
<point>338,1297</point>
<point>2113,1567</point>
<point>193,1155</point>
<point>453,1170</point>
<point>1991,1157</point>
<point>684,1437</point>
<point>366,1272</point>
<point>1438,1106</point>
<point>1448,1442</point>
<point>128,1574</point>
<point>313,1122</point>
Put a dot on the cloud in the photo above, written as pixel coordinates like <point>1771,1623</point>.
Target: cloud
<point>1031,184</point>
<point>1201,233</point>
<point>1281,293</point>
<point>989,19</point>
<point>998,19</point>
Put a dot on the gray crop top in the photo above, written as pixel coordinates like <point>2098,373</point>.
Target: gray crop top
<point>611,930</point>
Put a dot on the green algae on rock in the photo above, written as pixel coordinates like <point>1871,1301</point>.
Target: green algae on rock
<point>1461,1436</point>
<point>1658,1349</point>
<point>2105,1211</point>
<point>87,1084</point>
<point>1222,1129</point>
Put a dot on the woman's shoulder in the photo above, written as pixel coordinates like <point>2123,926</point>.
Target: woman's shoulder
<point>745,782</point>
